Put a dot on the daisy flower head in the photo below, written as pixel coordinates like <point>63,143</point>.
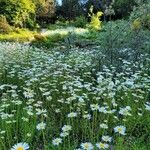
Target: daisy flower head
<point>20,146</point>
<point>101,145</point>
<point>66,128</point>
<point>87,146</point>
<point>57,141</point>
<point>64,134</point>
<point>125,111</point>
<point>147,106</point>
<point>72,115</point>
<point>104,126</point>
<point>94,107</point>
<point>41,126</point>
<point>107,138</point>
<point>120,129</point>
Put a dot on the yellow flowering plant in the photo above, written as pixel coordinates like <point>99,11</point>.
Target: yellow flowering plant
<point>136,24</point>
<point>95,19</point>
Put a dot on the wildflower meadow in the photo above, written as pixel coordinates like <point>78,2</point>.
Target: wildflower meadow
<point>51,100</point>
<point>74,74</point>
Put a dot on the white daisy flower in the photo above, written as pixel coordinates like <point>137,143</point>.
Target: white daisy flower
<point>64,134</point>
<point>87,146</point>
<point>104,126</point>
<point>147,106</point>
<point>41,126</point>
<point>72,115</point>
<point>94,107</point>
<point>57,141</point>
<point>125,111</point>
<point>101,145</point>
<point>20,146</point>
<point>120,129</point>
<point>66,128</point>
<point>107,138</point>
<point>87,116</point>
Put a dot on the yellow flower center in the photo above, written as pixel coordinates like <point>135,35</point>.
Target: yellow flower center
<point>20,148</point>
<point>102,145</point>
<point>119,129</point>
<point>86,146</point>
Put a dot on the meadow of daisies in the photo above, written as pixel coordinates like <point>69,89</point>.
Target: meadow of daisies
<point>63,100</point>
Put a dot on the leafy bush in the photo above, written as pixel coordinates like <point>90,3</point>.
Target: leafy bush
<point>140,16</point>
<point>118,41</point>
<point>80,21</point>
<point>4,26</point>
<point>48,41</point>
<point>39,37</point>
<point>21,35</point>
<point>44,8</point>
<point>123,7</point>
<point>17,12</point>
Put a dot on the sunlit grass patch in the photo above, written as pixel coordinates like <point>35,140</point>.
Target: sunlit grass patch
<point>20,35</point>
<point>65,31</point>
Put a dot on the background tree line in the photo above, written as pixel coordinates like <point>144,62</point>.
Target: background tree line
<point>25,13</point>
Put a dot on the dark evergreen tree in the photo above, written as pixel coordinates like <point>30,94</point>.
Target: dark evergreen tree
<point>71,9</point>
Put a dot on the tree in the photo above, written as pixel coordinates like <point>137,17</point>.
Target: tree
<point>119,8</point>
<point>45,8</point>
<point>17,12</point>
<point>71,9</point>
<point>123,7</point>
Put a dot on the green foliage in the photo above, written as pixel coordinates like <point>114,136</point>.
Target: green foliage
<point>123,7</point>
<point>91,89</point>
<point>17,12</point>
<point>80,21</point>
<point>48,41</point>
<point>45,8</point>
<point>21,35</point>
<point>134,144</point>
<point>140,16</point>
<point>36,84</point>
<point>4,26</point>
<point>119,9</point>
<point>95,19</point>
<point>117,40</point>
<point>70,9</point>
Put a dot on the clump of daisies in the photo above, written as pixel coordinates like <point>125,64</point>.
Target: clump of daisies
<point>65,130</point>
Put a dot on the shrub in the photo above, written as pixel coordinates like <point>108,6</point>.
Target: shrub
<point>141,15</point>
<point>4,26</point>
<point>39,37</point>
<point>17,12</point>
<point>123,7</point>
<point>117,40</point>
<point>95,19</point>
<point>136,24</point>
<point>80,21</point>
<point>21,35</point>
<point>44,8</point>
<point>48,41</point>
